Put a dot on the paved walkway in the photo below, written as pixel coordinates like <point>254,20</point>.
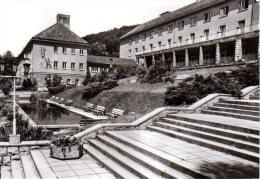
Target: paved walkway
<point>78,111</point>
<point>83,168</point>
<point>192,153</point>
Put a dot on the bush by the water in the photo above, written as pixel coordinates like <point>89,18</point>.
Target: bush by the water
<point>54,84</point>
<point>5,86</point>
<point>26,131</point>
<point>95,88</point>
<point>193,89</point>
<point>156,73</point>
<point>28,84</point>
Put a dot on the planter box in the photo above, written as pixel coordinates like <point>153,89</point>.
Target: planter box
<point>66,153</point>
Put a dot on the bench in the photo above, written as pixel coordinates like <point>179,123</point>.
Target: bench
<point>69,102</point>
<point>100,110</point>
<point>53,98</point>
<point>85,122</point>
<point>115,113</point>
<point>61,101</point>
<point>89,107</point>
<point>57,99</point>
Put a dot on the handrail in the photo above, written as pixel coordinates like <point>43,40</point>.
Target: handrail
<point>158,111</point>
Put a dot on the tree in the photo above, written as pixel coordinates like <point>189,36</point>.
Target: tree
<point>8,54</point>
<point>5,86</point>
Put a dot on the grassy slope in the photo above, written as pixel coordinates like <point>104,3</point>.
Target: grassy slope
<point>137,98</point>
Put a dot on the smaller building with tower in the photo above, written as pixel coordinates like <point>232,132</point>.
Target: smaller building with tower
<point>56,50</point>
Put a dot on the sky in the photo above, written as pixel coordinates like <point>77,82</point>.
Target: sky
<point>20,20</point>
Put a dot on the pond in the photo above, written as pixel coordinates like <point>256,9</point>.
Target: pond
<point>51,115</point>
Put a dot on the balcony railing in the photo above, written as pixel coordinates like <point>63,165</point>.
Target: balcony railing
<point>219,35</point>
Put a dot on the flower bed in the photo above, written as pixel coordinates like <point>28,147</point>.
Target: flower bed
<point>66,148</point>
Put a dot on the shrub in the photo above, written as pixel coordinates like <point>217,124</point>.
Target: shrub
<point>56,89</point>
<point>125,71</point>
<point>5,86</point>
<point>95,88</point>
<point>156,73</point>
<point>192,89</point>
<point>29,85</point>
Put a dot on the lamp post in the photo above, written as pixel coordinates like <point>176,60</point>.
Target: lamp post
<point>13,138</point>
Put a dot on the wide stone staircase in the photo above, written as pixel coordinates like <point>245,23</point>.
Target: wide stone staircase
<point>181,145</point>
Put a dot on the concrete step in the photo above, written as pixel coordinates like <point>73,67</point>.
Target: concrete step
<point>240,102</point>
<point>111,165</point>
<point>183,166</point>
<point>239,125</point>
<point>234,115</point>
<point>251,156</point>
<point>237,106</point>
<point>213,137</point>
<point>128,163</point>
<point>42,165</point>
<point>237,111</point>
<point>30,170</point>
<point>17,169</point>
<point>6,172</point>
<point>214,130</point>
<point>154,165</point>
<point>254,97</point>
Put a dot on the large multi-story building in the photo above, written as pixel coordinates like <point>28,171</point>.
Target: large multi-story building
<point>206,32</point>
<point>56,50</point>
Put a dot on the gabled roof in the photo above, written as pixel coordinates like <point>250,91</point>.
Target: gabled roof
<point>59,32</point>
<point>56,33</point>
<point>91,59</point>
<point>174,15</point>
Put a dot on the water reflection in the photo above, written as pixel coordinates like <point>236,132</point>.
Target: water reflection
<point>51,115</point>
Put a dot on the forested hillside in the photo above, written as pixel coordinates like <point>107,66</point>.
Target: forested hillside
<point>106,43</point>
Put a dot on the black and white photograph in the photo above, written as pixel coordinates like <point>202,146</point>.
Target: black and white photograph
<point>127,89</point>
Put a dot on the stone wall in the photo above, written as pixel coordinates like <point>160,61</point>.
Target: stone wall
<point>206,71</point>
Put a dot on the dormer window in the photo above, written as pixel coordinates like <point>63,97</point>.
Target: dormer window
<point>224,11</point>
<point>207,17</point>
<point>243,5</point>
<point>160,31</point>
<point>181,25</point>
<point>193,21</point>
<point>170,27</point>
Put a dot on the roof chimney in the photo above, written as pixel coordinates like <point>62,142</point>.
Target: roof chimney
<point>63,19</point>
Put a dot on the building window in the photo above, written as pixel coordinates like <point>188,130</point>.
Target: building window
<point>130,41</point>
<point>180,39</point>
<point>159,44</point>
<point>160,31</point>
<point>151,34</point>
<point>207,17</point>
<point>181,25</point>
<point>73,66</point>
<point>76,81</point>
<point>193,21</point>
<point>169,42</point>
<point>68,81</point>
<point>151,47</point>
<point>170,27</point>
<point>136,39</point>
<point>81,66</point>
<point>224,11</point>
<point>192,37</point>
<point>94,69</point>
<point>56,49</point>
<point>64,65</point>
<point>144,37</point>
<point>55,64</point>
<point>73,51</point>
<point>129,54</point>
<point>241,24</point>
<point>136,49</point>
<point>206,34</point>
<point>243,5</point>
<point>222,30</point>
<point>143,48</point>
<point>81,51</point>
<point>64,50</point>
